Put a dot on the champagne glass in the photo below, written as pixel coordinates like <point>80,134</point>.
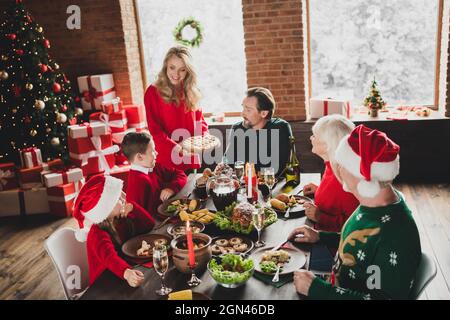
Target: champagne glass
<point>161,264</point>
<point>239,170</point>
<point>258,218</point>
<point>268,175</point>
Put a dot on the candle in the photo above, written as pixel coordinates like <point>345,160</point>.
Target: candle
<point>190,245</point>
<point>249,181</point>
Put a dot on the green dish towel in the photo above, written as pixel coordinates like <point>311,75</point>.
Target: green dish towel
<point>267,279</point>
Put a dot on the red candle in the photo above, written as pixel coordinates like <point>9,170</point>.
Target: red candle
<point>190,245</point>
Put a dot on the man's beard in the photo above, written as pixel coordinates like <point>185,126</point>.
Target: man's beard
<point>246,124</point>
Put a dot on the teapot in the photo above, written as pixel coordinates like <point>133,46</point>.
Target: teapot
<point>223,190</point>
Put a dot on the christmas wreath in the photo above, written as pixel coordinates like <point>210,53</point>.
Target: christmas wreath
<point>194,24</point>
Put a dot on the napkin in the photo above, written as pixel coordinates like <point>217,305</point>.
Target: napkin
<point>267,279</point>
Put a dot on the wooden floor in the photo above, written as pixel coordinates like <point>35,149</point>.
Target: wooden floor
<point>26,271</point>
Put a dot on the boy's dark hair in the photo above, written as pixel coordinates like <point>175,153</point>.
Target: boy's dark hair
<point>266,101</point>
<point>135,142</point>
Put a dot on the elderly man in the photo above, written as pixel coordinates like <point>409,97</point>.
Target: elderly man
<point>379,246</point>
<point>260,138</point>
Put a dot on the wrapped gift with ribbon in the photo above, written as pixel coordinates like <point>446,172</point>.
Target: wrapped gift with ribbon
<point>95,161</point>
<point>8,179</point>
<point>30,157</point>
<point>114,122</point>
<point>136,116</point>
<point>121,172</point>
<point>62,198</point>
<point>31,177</point>
<point>86,130</point>
<point>95,90</point>
<point>322,107</point>
<point>83,145</point>
<point>118,137</point>
<point>112,106</point>
<point>62,176</point>
<point>19,202</point>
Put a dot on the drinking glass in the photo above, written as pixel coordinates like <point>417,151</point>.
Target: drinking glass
<point>268,175</point>
<point>239,171</point>
<point>161,264</point>
<point>258,218</point>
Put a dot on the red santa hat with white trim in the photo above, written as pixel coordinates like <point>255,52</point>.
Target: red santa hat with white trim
<point>94,203</point>
<point>370,156</point>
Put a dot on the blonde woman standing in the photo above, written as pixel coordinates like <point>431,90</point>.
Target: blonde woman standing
<point>173,112</point>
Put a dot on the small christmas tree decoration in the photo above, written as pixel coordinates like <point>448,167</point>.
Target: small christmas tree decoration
<point>4,75</point>
<point>79,112</point>
<point>43,67</point>
<point>29,86</point>
<point>55,141</point>
<point>12,36</point>
<point>374,101</point>
<point>33,132</point>
<point>56,87</point>
<point>61,118</point>
<point>39,104</point>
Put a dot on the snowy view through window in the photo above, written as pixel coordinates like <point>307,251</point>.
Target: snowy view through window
<point>220,59</point>
<point>354,41</point>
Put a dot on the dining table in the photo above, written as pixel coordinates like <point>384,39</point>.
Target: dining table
<point>110,287</point>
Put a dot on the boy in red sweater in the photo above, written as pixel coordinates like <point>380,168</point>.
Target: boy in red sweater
<point>149,183</point>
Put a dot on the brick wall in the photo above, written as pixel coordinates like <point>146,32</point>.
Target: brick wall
<point>447,93</point>
<point>274,47</point>
<point>107,35</point>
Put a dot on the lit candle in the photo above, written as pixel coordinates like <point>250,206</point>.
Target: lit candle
<point>190,245</point>
<point>249,181</point>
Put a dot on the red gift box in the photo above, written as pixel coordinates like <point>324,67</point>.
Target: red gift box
<point>136,116</point>
<point>18,202</point>
<point>8,179</point>
<point>54,178</point>
<point>30,157</point>
<point>31,177</point>
<point>95,89</point>
<point>83,145</point>
<point>114,122</point>
<point>96,161</point>
<point>86,130</point>
<point>62,198</point>
<point>121,172</point>
<point>112,106</point>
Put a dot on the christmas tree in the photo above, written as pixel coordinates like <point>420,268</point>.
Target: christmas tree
<point>374,100</point>
<point>36,99</point>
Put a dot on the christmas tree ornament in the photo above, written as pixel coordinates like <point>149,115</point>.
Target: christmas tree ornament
<point>14,110</point>
<point>56,66</point>
<point>12,36</point>
<point>27,120</point>
<point>4,75</point>
<point>79,112</point>
<point>29,86</point>
<point>44,68</point>
<point>39,104</point>
<point>55,141</point>
<point>4,58</point>
<point>61,118</point>
<point>19,52</point>
<point>56,87</point>
<point>33,132</point>
<point>39,29</point>
<point>64,108</point>
<point>46,43</point>
<point>45,99</point>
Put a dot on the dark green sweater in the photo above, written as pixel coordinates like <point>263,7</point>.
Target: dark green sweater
<point>243,144</point>
<point>386,238</point>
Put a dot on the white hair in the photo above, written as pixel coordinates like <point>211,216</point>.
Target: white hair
<point>331,129</point>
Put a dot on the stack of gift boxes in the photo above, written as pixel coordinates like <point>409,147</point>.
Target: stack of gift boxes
<point>94,147</point>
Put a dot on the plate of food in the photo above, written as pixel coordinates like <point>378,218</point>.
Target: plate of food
<point>231,244</point>
<point>283,202</point>
<point>231,270</point>
<point>289,260</point>
<point>199,144</point>
<point>238,218</point>
<point>141,247</point>
<point>172,207</point>
<point>179,229</point>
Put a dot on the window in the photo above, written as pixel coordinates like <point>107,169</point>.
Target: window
<point>395,42</point>
<point>219,61</point>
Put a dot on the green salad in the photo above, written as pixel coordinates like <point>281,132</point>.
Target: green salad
<point>268,266</point>
<point>171,208</point>
<point>231,269</point>
<point>223,220</point>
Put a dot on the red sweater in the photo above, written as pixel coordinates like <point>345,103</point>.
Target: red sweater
<point>164,118</point>
<point>145,189</point>
<point>101,251</point>
<point>335,204</point>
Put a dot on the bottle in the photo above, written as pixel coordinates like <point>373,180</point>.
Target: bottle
<point>292,169</point>
<point>251,190</point>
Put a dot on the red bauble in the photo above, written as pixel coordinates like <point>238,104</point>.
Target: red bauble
<point>46,43</point>
<point>77,99</point>
<point>16,89</point>
<point>73,121</point>
<point>27,120</point>
<point>19,52</point>
<point>12,36</point>
<point>44,68</point>
<point>64,108</point>
<point>56,87</point>
<point>29,18</point>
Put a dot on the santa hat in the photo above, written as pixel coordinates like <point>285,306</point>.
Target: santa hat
<point>94,203</point>
<point>370,156</point>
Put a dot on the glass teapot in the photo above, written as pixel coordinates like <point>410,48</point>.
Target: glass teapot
<point>223,190</point>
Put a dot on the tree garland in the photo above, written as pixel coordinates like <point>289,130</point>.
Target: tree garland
<point>194,24</point>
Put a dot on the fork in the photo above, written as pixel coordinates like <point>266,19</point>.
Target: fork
<point>286,215</point>
<point>276,277</point>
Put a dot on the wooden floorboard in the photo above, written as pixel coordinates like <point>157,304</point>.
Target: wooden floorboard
<point>26,272</point>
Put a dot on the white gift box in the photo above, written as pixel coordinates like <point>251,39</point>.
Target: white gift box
<point>322,107</point>
<point>95,90</point>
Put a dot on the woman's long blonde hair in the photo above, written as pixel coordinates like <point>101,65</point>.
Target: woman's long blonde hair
<point>191,94</point>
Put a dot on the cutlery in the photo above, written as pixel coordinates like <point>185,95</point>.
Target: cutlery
<point>276,277</point>
<point>280,245</point>
<point>159,226</point>
<point>286,215</point>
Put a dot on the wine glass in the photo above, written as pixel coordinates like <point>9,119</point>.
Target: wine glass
<point>239,170</point>
<point>268,175</point>
<point>161,264</point>
<point>258,218</point>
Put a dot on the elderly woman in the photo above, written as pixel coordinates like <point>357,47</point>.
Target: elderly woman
<point>106,220</point>
<point>379,246</point>
<point>332,205</point>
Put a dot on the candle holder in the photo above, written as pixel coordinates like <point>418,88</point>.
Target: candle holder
<point>194,281</point>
